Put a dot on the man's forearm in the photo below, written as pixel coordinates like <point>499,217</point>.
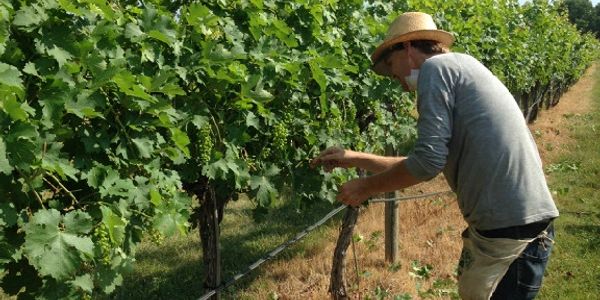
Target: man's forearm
<point>373,163</point>
<point>394,178</point>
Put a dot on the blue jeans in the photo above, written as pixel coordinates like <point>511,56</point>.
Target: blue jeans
<point>524,276</point>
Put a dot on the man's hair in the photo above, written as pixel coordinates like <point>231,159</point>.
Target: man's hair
<point>429,47</point>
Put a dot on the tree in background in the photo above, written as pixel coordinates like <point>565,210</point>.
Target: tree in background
<point>584,15</point>
<point>596,24</point>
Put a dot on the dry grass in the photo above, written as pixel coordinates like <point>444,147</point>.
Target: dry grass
<point>429,234</point>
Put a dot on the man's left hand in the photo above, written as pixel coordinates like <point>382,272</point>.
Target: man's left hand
<point>354,192</point>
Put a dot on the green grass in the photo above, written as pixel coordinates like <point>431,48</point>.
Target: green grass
<point>174,269</point>
<point>574,268</point>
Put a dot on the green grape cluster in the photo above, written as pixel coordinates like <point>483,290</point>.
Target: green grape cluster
<point>156,237</point>
<point>280,136</point>
<point>103,241</point>
<point>288,118</point>
<point>265,153</point>
<point>205,144</point>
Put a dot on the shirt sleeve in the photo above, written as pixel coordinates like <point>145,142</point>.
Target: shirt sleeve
<point>435,102</point>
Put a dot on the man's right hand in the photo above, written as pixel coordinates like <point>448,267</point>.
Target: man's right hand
<point>333,157</point>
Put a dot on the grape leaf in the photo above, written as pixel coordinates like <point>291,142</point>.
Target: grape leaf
<point>22,152</point>
<point>5,166</point>
<point>144,146</point>
<point>84,282</point>
<point>181,140</point>
<point>127,83</point>
<point>108,279</point>
<point>31,69</point>
<point>161,36</point>
<point>8,215</point>
<point>10,76</point>
<point>266,192</point>
<point>170,223</point>
<point>54,163</point>
<point>51,250</point>
<point>83,107</point>
<point>115,224</point>
<point>69,6</point>
<point>133,32</point>
<point>200,121</point>
<point>60,55</point>
<point>252,120</point>
<point>78,222</point>
<point>28,16</point>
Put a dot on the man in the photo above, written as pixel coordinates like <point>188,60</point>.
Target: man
<point>471,128</point>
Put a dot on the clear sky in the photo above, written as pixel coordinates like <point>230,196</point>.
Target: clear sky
<point>594,2</point>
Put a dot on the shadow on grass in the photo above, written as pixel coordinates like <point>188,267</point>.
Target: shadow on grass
<point>175,271</point>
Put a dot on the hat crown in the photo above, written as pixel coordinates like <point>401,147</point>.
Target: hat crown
<point>410,26</point>
<point>410,22</point>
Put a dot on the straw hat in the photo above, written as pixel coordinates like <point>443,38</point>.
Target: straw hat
<point>409,26</point>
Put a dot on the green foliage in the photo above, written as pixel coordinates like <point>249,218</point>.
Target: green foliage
<point>583,15</point>
<point>108,109</point>
<point>524,46</point>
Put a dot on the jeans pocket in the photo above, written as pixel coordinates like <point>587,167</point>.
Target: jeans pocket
<point>532,263</point>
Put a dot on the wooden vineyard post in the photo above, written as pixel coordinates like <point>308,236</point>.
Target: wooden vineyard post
<point>391,222</point>
<point>209,234</point>
<point>391,229</point>
<point>337,283</point>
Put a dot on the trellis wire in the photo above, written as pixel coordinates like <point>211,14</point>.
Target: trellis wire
<point>377,200</point>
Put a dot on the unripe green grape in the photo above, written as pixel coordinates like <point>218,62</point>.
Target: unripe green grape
<point>205,144</point>
<point>265,153</point>
<point>280,136</point>
<point>102,239</point>
<point>287,118</point>
<point>156,237</point>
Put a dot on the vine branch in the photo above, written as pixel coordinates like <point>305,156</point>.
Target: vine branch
<point>73,199</point>
<point>37,195</point>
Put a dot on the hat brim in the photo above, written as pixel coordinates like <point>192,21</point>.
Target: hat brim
<point>380,66</point>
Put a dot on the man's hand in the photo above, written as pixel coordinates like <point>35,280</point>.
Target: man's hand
<point>354,192</point>
<point>331,158</point>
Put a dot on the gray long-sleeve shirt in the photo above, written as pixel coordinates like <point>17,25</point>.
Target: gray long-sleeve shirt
<point>471,128</point>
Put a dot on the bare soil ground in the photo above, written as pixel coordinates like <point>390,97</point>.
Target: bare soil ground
<point>429,229</point>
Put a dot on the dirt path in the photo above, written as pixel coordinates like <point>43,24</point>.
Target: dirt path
<point>429,230</point>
